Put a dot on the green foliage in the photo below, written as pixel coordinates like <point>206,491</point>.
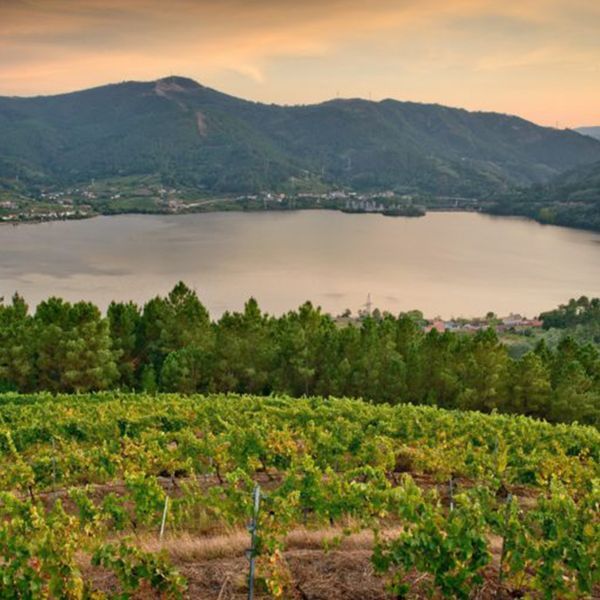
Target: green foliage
<point>184,134</point>
<point>16,346</point>
<point>124,322</point>
<point>150,435</point>
<point>171,345</point>
<point>530,387</point>
<point>327,462</point>
<point>554,547</point>
<point>582,311</point>
<point>148,498</point>
<point>37,552</point>
<point>171,323</point>
<point>571,199</point>
<point>450,545</point>
<point>244,351</point>
<point>133,568</point>
<point>72,347</point>
<point>148,381</point>
<point>186,371</point>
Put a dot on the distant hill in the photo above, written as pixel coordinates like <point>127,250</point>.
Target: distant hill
<point>591,131</point>
<point>571,199</point>
<point>194,136</point>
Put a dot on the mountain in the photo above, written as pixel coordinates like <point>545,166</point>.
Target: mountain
<point>197,137</point>
<point>571,199</point>
<point>591,131</point>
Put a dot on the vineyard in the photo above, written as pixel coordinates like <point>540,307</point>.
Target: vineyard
<point>99,493</point>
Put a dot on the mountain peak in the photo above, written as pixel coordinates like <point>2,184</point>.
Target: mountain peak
<point>175,83</point>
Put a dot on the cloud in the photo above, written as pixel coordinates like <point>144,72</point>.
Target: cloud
<point>57,45</point>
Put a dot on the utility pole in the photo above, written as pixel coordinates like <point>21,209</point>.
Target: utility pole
<point>368,304</point>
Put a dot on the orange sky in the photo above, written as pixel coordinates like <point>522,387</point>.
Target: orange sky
<point>536,58</point>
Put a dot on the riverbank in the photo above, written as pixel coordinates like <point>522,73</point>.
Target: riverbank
<point>149,197</point>
<point>29,211</point>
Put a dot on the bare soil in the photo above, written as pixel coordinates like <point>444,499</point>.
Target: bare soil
<point>217,569</point>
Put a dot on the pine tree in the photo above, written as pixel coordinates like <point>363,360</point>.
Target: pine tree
<point>124,324</point>
<point>186,371</point>
<point>529,388</point>
<point>17,370</point>
<point>73,347</point>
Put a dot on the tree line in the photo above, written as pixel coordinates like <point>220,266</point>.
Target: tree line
<point>580,312</point>
<point>171,344</point>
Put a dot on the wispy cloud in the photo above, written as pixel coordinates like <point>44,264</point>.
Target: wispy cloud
<point>477,53</point>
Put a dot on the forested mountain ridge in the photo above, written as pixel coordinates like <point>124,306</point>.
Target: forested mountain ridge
<point>194,136</point>
<point>571,199</point>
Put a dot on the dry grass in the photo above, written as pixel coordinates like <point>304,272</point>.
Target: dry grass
<point>188,548</point>
<point>323,564</point>
<point>185,547</point>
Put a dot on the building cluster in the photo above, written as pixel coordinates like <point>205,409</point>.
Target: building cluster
<point>64,198</point>
<point>52,196</point>
<point>364,206</point>
<point>332,195</point>
<point>355,196</point>
<point>51,215</point>
<point>509,323</point>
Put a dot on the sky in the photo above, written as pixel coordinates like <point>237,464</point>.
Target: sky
<point>536,58</point>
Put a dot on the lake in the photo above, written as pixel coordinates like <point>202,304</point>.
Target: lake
<point>446,264</point>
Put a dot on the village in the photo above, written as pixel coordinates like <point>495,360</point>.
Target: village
<point>513,323</point>
<point>150,196</point>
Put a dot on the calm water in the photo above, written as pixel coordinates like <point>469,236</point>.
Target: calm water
<point>445,263</point>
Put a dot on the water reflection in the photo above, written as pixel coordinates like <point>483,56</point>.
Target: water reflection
<point>446,263</point>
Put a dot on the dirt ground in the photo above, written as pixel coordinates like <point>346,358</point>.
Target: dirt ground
<point>217,569</point>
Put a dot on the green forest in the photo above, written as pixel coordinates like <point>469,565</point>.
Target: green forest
<point>172,345</point>
<point>571,199</point>
<point>195,137</point>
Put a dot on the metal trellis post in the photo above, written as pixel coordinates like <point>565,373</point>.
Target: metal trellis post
<point>253,529</point>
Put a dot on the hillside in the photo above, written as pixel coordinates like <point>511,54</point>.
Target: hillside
<point>122,494</point>
<point>571,199</point>
<point>591,131</point>
<point>196,137</point>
